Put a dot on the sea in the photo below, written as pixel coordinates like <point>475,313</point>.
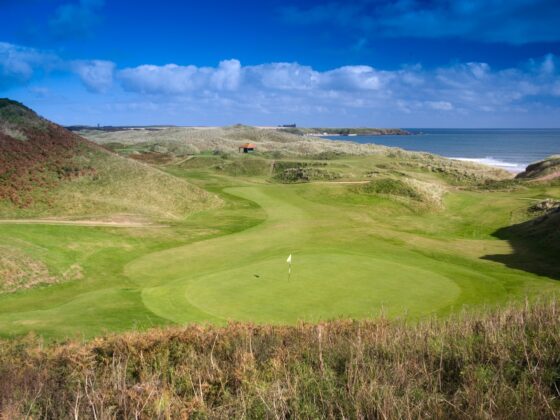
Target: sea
<point>510,149</point>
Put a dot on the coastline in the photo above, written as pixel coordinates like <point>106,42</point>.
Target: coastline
<point>514,168</point>
<point>511,150</point>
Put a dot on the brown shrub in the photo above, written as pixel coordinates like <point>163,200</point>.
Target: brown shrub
<point>504,364</point>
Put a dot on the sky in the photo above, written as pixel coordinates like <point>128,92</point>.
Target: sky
<point>367,63</point>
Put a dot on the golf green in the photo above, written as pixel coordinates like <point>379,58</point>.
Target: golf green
<point>322,286</point>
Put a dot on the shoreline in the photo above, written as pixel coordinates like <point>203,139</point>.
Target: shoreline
<point>514,168</point>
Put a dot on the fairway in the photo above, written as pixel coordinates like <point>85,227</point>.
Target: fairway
<point>354,256</point>
<point>244,276</point>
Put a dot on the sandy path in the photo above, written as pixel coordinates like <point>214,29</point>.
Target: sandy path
<point>340,182</point>
<point>182,161</point>
<point>94,223</point>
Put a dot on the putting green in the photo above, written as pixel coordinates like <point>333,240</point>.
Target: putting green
<point>322,286</point>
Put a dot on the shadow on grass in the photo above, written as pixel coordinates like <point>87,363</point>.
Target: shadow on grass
<point>536,246</point>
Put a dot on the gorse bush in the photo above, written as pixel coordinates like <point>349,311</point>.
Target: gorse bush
<point>389,186</point>
<point>505,364</point>
<point>305,174</point>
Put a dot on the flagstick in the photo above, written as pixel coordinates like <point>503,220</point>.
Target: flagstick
<point>289,271</point>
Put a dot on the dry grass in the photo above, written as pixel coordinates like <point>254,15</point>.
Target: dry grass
<point>124,186</point>
<point>20,271</point>
<point>119,186</point>
<point>429,193</point>
<point>505,364</point>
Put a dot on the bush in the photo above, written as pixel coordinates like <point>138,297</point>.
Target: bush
<point>292,175</point>
<point>389,186</point>
<point>504,364</point>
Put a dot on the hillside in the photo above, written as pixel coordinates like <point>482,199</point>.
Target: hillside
<point>35,153</point>
<point>48,171</point>
<point>544,170</point>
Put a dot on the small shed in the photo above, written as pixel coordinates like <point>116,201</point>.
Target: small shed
<point>247,148</point>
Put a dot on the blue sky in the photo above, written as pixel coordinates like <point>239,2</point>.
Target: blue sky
<point>386,63</point>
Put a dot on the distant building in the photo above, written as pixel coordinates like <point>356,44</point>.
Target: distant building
<point>288,126</point>
<point>247,148</point>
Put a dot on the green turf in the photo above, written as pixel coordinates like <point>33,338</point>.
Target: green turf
<point>354,255</point>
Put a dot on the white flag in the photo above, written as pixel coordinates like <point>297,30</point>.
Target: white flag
<point>289,260</point>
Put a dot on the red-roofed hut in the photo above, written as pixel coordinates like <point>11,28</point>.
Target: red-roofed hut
<point>247,148</point>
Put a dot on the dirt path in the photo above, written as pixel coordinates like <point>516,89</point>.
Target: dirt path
<point>93,223</point>
<point>340,182</point>
<point>182,161</point>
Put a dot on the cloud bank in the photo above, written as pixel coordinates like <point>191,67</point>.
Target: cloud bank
<point>459,88</point>
<point>461,94</point>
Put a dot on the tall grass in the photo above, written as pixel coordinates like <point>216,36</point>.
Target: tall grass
<point>505,364</point>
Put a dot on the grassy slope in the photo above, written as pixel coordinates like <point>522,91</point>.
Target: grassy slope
<point>354,255</point>
<point>48,171</point>
<point>118,187</point>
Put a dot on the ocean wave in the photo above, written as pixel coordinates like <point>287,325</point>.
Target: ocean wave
<point>490,161</point>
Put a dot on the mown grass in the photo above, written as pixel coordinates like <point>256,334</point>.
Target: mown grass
<point>501,364</point>
<point>355,252</point>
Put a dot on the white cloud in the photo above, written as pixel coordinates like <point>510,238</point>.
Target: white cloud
<point>358,78</point>
<point>440,105</point>
<point>97,75</point>
<point>227,76</point>
<point>175,79</point>
<point>463,89</point>
<point>18,64</point>
<point>281,76</point>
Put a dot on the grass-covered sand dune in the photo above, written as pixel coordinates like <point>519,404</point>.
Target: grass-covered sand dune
<point>47,171</point>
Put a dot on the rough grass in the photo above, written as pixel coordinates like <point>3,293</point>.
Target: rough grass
<point>430,194</point>
<point>245,166</point>
<point>48,171</point>
<point>123,186</point>
<point>389,186</point>
<point>14,116</point>
<point>21,271</point>
<point>504,364</point>
<point>115,187</point>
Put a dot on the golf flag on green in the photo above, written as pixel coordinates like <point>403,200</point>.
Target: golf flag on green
<point>289,261</point>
